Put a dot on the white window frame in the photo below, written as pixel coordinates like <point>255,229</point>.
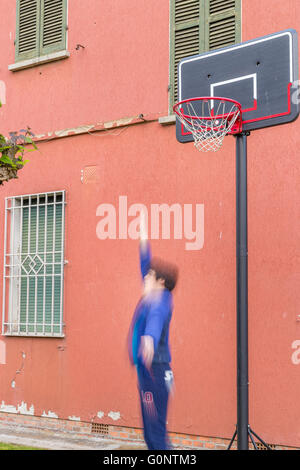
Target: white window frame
<point>14,266</point>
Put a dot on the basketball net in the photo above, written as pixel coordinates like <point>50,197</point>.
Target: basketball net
<point>209,119</point>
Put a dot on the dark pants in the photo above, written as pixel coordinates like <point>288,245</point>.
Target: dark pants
<point>154,387</point>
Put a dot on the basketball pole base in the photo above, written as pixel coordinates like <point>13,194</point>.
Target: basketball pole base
<point>250,433</point>
<point>243,431</point>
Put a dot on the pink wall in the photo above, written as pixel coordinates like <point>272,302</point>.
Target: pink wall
<point>112,77</point>
<point>123,71</point>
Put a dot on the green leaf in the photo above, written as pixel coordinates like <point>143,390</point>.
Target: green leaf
<point>30,141</point>
<point>7,160</point>
<point>21,162</point>
<point>5,148</point>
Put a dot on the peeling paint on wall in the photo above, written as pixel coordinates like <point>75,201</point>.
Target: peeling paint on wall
<point>119,122</point>
<point>74,130</point>
<point>74,418</point>
<point>100,414</point>
<point>19,371</point>
<point>50,414</point>
<point>8,408</point>
<point>21,409</point>
<point>115,415</point>
<point>99,126</point>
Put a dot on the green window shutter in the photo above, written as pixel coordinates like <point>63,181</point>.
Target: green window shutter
<point>41,28</point>
<point>223,23</point>
<point>53,26</point>
<point>185,37</point>
<point>199,26</point>
<point>27,35</point>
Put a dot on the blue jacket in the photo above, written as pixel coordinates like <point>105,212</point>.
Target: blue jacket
<point>152,317</point>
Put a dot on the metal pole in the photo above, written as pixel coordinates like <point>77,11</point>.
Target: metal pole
<point>242,292</point>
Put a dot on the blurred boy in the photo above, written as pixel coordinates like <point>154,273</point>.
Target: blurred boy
<point>149,342</point>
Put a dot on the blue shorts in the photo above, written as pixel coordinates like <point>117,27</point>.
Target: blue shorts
<point>154,387</point>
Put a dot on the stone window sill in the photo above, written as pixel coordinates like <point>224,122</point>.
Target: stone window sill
<point>38,60</point>
<point>167,120</point>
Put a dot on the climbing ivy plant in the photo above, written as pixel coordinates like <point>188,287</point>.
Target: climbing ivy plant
<point>12,151</point>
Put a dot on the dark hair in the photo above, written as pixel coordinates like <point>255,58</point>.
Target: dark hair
<point>166,271</point>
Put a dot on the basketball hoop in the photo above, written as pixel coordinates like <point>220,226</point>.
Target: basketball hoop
<point>209,119</point>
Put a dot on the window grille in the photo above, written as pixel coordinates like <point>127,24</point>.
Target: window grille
<point>34,265</point>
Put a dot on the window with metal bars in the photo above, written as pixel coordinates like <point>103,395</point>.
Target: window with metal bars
<point>198,26</point>
<point>34,265</point>
<point>41,28</point>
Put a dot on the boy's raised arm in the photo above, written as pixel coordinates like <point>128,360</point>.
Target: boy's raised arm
<point>145,251</point>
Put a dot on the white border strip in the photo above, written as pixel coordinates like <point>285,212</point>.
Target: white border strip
<point>244,77</point>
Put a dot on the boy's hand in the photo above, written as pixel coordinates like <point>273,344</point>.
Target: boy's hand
<point>147,350</point>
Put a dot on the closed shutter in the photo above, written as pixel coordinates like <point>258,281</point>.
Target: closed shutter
<point>223,26</point>
<point>53,26</point>
<point>27,35</point>
<point>41,28</point>
<point>41,271</point>
<point>199,26</point>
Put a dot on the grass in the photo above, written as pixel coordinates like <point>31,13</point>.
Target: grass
<point>5,446</point>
